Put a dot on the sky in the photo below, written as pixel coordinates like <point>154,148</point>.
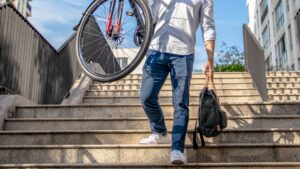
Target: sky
<point>55,20</point>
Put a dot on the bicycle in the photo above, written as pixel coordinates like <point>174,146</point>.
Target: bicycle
<point>113,38</point>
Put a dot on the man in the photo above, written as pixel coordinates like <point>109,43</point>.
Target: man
<point>172,51</point>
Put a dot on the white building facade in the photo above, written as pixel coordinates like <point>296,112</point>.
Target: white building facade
<point>22,6</point>
<point>275,25</point>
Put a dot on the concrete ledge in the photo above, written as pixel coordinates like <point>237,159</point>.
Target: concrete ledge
<point>8,105</point>
<point>139,154</point>
<point>102,137</point>
<point>78,90</point>
<point>246,165</point>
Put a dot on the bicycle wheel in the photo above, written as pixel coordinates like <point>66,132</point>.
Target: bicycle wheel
<point>107,51</point>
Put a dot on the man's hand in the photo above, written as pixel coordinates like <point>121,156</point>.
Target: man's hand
<point>209,70</point>
<point>209,66</point>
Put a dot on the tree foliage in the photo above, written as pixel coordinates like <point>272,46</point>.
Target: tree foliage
<point>230,59</point>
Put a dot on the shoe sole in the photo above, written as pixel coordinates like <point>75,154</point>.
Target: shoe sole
<point>177,162</point>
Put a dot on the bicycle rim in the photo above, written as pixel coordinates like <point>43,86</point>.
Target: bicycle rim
<point>108,58</point>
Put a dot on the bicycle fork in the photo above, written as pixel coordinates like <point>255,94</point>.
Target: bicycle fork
<point>113,30</point>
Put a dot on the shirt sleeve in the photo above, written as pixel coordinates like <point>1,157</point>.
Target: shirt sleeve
<point>154,8</point>
<point>208,20</point>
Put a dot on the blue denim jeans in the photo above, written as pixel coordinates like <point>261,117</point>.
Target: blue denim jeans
<point>155,71</point>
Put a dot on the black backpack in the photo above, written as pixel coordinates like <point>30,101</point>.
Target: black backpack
<point>211,118</point>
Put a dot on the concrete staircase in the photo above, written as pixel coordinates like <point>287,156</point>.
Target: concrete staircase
<point>283,86</point>
<point>103,132</point>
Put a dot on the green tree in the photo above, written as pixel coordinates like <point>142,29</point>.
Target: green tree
<point>230,59</point>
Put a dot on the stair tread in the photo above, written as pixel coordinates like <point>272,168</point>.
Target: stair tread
<point>234,164</point>
<point>106,97</point>
<point>137,90</point>
<point>162,104</point>
<point>141,146</point>
<point>142,131</point>
<point>145,118</point>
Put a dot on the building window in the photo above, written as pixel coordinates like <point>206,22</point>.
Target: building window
<point>293,67</point>
<point>279,15</point>
<point>281,53</point>
<point>266,37</point>
<point>269,63</point>
<point>297,29</point>
<point>298,64</point>
<point>123,62</point>
<point>291,38</point>
<point>263,10</point>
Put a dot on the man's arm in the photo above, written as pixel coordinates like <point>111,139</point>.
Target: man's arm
<point>209,67</point>
<point>209,34</point>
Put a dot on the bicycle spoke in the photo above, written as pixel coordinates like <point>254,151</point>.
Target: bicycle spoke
<point>124,53</point>
<point>107,60</point>
<point>130,41</point>
<point>99,56</point>
<point>91,42</point>
<point>109,55</point>
<point>130,30</point>
<point>94,35</point>
<point>128,48</point>
<point>95,23</point>
<point>97,51</point>
<point>101,18</point>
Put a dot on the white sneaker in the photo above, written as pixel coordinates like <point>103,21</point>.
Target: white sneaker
<point>156,139</point>
<point>177,157</point>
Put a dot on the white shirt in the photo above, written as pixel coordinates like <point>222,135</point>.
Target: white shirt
<point>177,22</point>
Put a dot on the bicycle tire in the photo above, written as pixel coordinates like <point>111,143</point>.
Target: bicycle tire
<point>136,61</point>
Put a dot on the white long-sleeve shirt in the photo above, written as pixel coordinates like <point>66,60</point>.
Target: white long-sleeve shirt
<point>177,22</point>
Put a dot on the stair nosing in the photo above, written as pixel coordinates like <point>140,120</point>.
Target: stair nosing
<point>141,146</point>
<point>145,118</point>
<point>221,164</point>
<point>107,97</point>
<point>267,130</point>
<point>136,90</point>
<point>162,104</point>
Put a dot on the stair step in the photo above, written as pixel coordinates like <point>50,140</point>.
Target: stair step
<point>283,85</point>
<point>217,75</point>
<point>284,97</point>
<point>283,73</point>
<point>194,81</point>
<point>194,86</point>
<point>216,80</point>
<point>168,99</point>
<point>197,86</point>
<point>136,110</point>
<point>204,165</point>
<point>284,91</point>
<point>100,137</point>
<point>222,92</point>
<point>150,154</point>
<point>239,122</point>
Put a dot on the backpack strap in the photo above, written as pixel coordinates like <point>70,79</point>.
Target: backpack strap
<point>195,144</point>
<point>198,129</point>
<point>215,96</point>
<point>212,83</point>
<point>202,137</point>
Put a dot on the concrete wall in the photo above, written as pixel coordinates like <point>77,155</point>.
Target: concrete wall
<point>8,104</point>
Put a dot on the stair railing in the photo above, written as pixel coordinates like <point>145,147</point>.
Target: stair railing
<point>255,62</point>
<point>29,65</point>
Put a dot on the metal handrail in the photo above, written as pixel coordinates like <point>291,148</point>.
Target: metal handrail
<point>29,64</point>
<point>255,62</point>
